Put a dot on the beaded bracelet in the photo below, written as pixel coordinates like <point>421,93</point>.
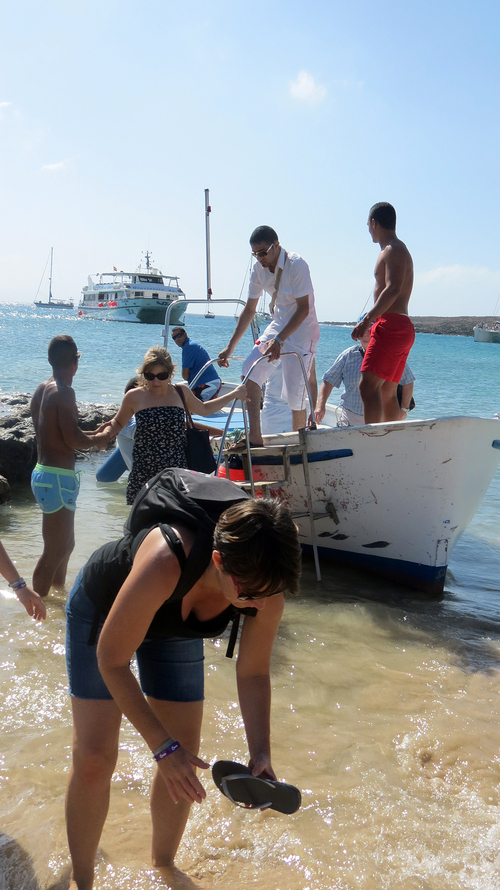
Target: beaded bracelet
<point>17,585</point>
<point>167,748</point>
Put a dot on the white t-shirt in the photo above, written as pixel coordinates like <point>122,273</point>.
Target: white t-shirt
<point>295,283</point>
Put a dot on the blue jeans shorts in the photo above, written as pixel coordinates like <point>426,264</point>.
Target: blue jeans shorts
<point>55,488</point>
<point>170,669</point>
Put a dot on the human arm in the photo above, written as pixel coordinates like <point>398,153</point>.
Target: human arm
<point>254,685</point>
<point>395,262</point>
<point>125,412</point>
<point>196,406</point>
<point>152,580</point>
<point>299,316</point>
<point>33,603</point>
<point>324,391</point>
<point>242,324</point>
<point>72,435</point>
<point>406,397</point>
<point>212,430</point>
<point>185,373</point>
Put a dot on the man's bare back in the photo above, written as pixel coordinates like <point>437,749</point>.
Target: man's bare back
<point>54,413</point>
<point>394,267</point>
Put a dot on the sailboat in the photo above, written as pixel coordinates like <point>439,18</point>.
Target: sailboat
<point>51,303</point>
<point>208,209</point>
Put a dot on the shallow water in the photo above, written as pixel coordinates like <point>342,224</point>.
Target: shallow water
<point>385,714</point>
<point>385,705</point>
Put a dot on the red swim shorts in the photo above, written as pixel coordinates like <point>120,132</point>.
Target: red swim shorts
<point>392,337</point>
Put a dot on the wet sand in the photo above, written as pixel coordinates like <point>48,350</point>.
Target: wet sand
<point>385,714</point>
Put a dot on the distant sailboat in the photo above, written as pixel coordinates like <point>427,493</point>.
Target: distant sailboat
<point>51,303</point>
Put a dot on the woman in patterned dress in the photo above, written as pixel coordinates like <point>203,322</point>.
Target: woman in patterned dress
<point>160,437</point>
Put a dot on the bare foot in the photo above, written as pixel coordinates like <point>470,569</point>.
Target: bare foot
<point>175,879</point>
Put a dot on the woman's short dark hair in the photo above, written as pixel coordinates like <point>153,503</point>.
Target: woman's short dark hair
<point>157,355</point>
<point>259,544</point>
<point>384,214</point>
<point>263,235</point>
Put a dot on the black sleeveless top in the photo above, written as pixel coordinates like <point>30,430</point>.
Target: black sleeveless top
<point>109,566</point>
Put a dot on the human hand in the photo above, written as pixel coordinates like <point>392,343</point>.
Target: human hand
<point>261,766</point>
<point>360,328</point>
<point>224,354</point>
<point>240,392</point>
<point>180,777</point>
<point>33,603</point>
<point>319,412</point>
<point>273,351</point>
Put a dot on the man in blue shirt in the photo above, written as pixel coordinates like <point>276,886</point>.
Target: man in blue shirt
<point>194,357</point>
<point>346,369</point>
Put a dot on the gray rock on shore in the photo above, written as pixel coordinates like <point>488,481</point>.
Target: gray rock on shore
<point>18,454</point>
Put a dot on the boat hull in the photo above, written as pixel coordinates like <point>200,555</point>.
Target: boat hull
<point>135,311</point>
<point>483,335</point>
<point>390,498</point>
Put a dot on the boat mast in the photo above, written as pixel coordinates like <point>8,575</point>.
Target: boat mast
<point>50,275</point>
<point>208,210</point>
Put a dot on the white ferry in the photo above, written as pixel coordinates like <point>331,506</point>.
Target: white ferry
<point>141,296</point>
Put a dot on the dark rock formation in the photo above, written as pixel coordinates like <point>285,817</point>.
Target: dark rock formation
<point>17,436</point>
<point>4,490</point>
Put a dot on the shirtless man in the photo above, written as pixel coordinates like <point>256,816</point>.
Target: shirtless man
<point>54,481</point>
<point>393,334</point>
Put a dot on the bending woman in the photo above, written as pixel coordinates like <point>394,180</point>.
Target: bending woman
<point>160,437</point>
<point>162,610</point>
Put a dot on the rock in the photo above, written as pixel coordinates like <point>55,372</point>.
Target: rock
<point>458,326</point>
<point>18,453</point>
<point>4,490</point>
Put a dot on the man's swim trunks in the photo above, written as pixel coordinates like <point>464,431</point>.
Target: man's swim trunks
<point>55,488</point>
<point>392,337</point>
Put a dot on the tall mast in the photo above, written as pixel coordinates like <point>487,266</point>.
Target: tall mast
<point>50,276</point>
<point>208,210</point>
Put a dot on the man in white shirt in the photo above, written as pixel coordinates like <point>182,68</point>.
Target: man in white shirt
<point>286,277</point>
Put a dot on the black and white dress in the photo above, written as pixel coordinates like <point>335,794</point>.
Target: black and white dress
<point>160,442</point>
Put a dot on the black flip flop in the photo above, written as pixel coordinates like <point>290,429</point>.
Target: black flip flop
<point>236,782</point>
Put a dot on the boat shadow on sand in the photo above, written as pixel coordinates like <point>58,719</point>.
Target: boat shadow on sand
<point>465,619</point>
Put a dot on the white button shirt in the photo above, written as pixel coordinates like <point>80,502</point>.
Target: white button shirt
<point>295,283</point>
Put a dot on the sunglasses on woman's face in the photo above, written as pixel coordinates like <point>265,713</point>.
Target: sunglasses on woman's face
<point>163,375</point>
<point>248,597</point>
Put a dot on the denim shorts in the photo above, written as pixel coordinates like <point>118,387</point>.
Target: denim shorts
<point>170,668</point>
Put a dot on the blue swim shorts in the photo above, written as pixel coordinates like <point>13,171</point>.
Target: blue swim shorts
<point>170,669</point>
<point>55,488</point>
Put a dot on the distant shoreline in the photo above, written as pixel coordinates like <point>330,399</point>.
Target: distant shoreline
<point>457,326</point>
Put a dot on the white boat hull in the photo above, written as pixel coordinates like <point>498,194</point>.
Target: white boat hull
<point>137,311</point>
<point>391,498</point>
<point>483,335</point>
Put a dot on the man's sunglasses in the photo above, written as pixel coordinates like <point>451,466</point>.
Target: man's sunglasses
<point>163,375</point>
<point>177,335</point>
<point>260,254</point>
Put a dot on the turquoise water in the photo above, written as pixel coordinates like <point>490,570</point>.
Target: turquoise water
<point>385,705</point>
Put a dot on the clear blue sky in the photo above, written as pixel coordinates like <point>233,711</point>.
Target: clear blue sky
<point>116,115</point>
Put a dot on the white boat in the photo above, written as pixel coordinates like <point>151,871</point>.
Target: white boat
<point>141,296</point>
<point>50,303</point>
<point>390,498</point>
<point>487,333</point>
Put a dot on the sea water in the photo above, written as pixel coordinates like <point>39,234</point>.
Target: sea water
<point>385,704</point>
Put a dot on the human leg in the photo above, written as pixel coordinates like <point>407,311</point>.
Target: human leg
<point>183,721</point>
<point>58,543</point>
<point>369,389</point>
<point>95,750</point>
<point>389,398</point>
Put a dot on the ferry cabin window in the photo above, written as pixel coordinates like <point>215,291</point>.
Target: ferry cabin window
<point>139,293</point>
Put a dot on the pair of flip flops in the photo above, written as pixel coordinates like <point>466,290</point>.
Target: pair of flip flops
<point>236,782</point>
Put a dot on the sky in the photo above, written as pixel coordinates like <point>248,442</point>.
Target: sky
<point>116,115</point>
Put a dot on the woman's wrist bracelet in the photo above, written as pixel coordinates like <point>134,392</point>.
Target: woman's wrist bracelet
<point>17,585</point>
<point>167,748</point>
